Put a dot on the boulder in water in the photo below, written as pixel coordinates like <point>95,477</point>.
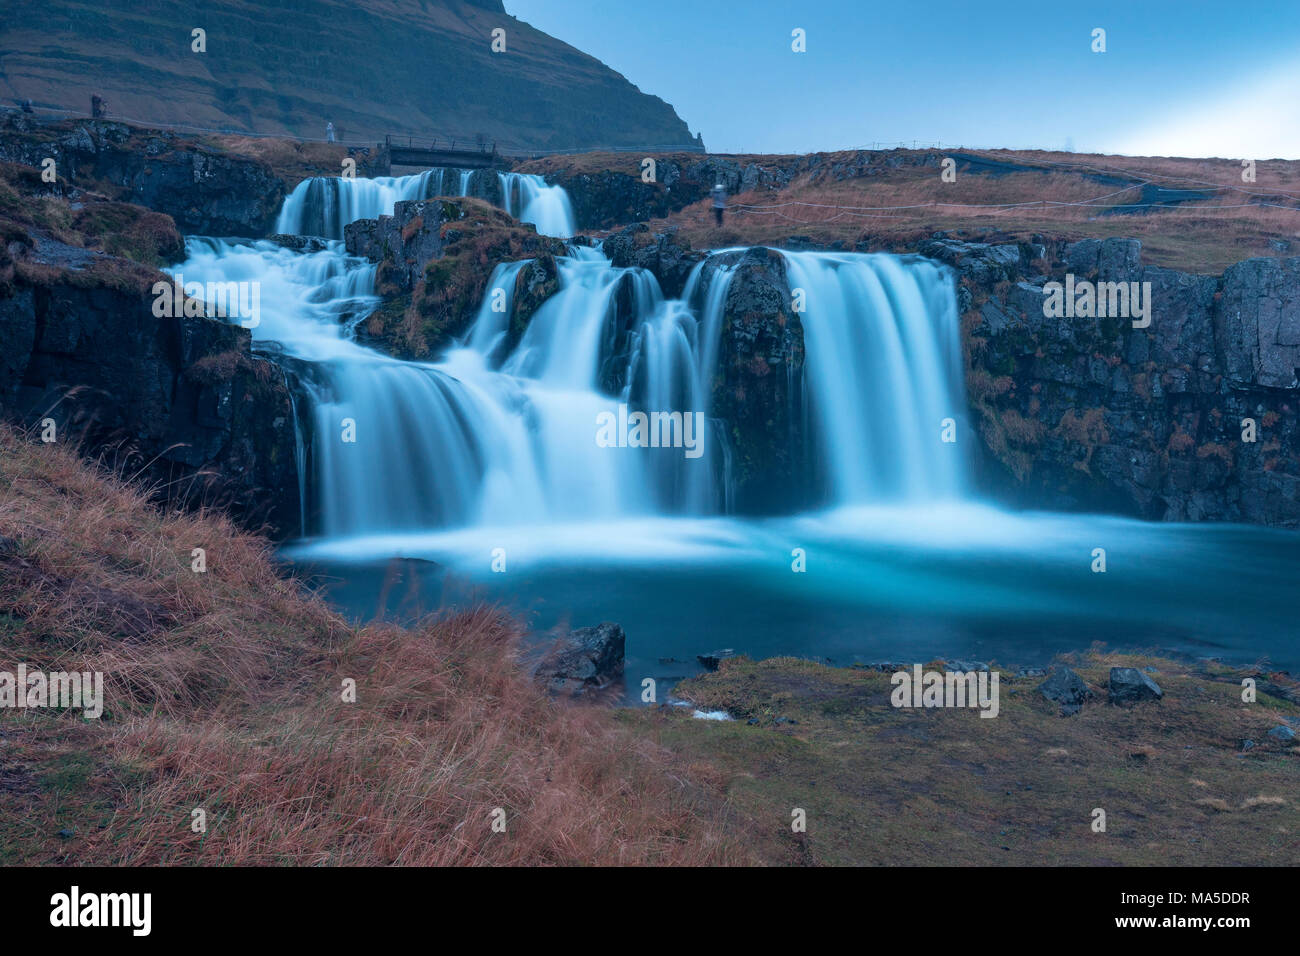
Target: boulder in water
<point>298,243</point>
<point>433,260</point>
<point>712,659</point>
<point>664,254</point>
<point>589,658</point>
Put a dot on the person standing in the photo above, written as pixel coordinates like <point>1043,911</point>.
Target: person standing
<point>329,132</point>
<point>719,202</point>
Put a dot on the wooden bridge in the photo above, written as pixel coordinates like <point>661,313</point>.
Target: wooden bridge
<point>446,153</point>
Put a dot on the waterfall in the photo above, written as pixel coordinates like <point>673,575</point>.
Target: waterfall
<point>486,434</point>
<point>504,427</point>
<point>488,334</point>
<point>529,199</point>
<point>323,205</point>
<point>495,445</point>
<point>883,370</point>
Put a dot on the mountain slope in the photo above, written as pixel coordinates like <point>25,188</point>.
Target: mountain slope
<point>371,67</point>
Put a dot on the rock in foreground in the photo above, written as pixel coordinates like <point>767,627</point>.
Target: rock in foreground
<point>589,658</point>
<point>1128,685</point>
<point>1066,688</point>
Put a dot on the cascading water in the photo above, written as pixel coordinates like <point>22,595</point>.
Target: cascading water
<point>499,431</point>
<point>485,435</point>
<point>323,205</point>
<point>529,199</point>
<point>492,449</point>
<point>883,371</point>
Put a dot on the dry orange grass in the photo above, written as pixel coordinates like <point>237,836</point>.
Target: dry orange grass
<point>1193,236</point>
<point>1173,171</point>
<point>223,693</point>
<point>292,160</point>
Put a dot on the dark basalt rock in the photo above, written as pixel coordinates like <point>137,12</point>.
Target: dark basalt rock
<point>485,184</point>
<point>1066,688</point>
<point>298,243</point>
<point>403,243</point>
<point>435,258</point>
<point>667,256</point>
<point>607,198</point>
<point>587,659</point>
<point>206,192</point>
<point>1128,685</point>
<point>1094,414</point>
<point>536,282</point>
<point>182,401</point>
<point>432,272</point>
<point>757,386</point>
<point>712,659</point>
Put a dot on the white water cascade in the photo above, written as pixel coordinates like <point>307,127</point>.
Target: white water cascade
<point>501,429</point>
<point>323,205</point>
<point>529,199</point>
<point>487,434</point>
<point>883,358</point>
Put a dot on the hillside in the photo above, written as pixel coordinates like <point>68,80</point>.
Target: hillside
<point>371,67</point>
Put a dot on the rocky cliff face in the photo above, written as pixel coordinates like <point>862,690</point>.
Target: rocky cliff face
<point>180,401</point>
<point>423,67</point>
<point>609,190</point>
<point>1192,418</point>
<point>665,254</point>
<point>204,191</point>
<point>757,388</point>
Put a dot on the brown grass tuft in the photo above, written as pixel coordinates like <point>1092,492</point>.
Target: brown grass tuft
<point>223,693</point>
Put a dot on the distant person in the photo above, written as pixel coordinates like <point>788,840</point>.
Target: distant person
<point>98,106</point>
<point>719,201</point>
<point>27,106</point>
<point>329,132</point>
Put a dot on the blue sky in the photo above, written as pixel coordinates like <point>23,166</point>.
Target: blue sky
<point>1188,78</point>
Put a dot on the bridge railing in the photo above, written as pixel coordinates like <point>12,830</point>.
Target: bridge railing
<point>391,141</point>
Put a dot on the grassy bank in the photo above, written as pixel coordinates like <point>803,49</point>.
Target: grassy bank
<point>223,693</point>
<point>887,786</point>
<point>1211,218</point>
